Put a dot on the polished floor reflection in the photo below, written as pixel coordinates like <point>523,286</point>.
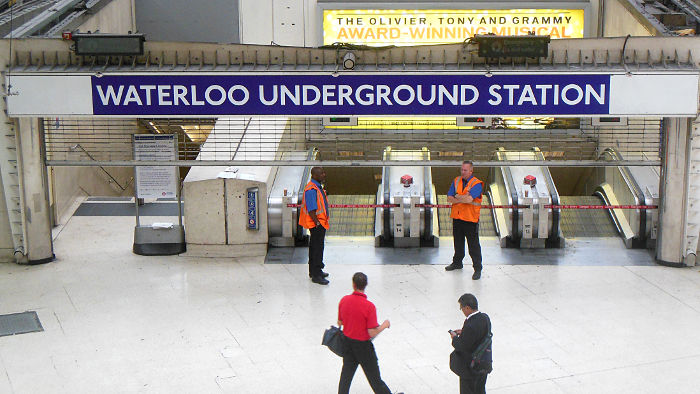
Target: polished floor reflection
<point>588,319</point>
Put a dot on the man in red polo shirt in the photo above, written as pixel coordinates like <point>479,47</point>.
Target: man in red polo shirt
<point>358,317</point>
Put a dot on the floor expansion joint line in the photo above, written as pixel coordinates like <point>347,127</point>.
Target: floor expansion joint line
<point>554,379</point>
<point>70,299</point>
<point>630,366</point>
<point>7,374</point>
<point>520,283</point>
<point>662,290</point>
<point>59,323</point>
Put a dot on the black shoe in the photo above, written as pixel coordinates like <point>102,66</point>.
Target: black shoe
<point>323,275</point>
<point>453,267</point>
<point>477,275</point>
<point>320,280</point>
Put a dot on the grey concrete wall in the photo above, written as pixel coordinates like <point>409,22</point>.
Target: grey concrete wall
<point>115,17</point>
<point>71,184</point>
<point>619,22</point>
<point>39,244</point>
<point>6,128</point>
<point>216,219</point>
<point>186,20</point>
<point>205,212</point>
<point>6,247</point>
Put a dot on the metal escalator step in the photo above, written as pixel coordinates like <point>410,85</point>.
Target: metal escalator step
<point>576,223</point>
<point>352,221</point>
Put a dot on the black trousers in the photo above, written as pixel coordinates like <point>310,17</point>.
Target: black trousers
<point>316,242</point>
<point>362,353</point>
<point>472,384</point>
<point>470,231</point>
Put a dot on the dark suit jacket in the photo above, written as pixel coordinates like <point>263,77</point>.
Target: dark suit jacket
<point>473,332</point>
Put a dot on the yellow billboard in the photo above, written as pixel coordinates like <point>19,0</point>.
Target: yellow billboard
<point>423,27</point>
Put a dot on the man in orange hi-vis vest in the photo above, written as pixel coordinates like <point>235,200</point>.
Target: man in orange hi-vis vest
<point>465,197</point>
<point>313,215</point>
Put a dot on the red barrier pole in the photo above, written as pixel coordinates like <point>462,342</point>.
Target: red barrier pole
<point>491,206</point>
<point>353,205</point>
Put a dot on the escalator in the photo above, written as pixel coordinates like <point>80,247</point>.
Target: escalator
<point>586,223</point>
<point>486,227</point>
<point>623,185</point>
<point>354,222</point>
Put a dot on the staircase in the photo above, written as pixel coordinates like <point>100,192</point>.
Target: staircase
<point>11,182</point>
<point>692,231</point>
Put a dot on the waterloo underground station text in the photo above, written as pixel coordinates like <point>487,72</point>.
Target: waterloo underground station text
<point>351,96</point>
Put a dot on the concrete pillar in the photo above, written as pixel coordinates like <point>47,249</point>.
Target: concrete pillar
<point>673,190</point>
<point>34,187</point>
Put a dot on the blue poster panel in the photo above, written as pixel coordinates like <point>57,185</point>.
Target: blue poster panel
<point>252,208</point>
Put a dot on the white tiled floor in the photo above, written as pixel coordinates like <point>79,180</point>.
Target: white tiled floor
<point>117,322</point>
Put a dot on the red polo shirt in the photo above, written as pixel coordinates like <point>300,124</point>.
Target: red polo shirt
<point>357,315</point>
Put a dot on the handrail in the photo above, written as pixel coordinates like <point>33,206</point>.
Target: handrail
<point>78,146</point>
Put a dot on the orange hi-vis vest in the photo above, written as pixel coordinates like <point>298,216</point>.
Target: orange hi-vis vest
<point>304,218</point>
<point>466,212</point>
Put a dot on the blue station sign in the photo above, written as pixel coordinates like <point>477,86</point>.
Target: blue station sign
<point>415,93</point>
<point>360,94</point>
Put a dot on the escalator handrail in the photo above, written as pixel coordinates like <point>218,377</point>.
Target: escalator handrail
<point>512,194</point>
<point>427,212</point>
<point>633,185</point>
<point>386,214</point>
<point>493,214</point>
<point>554,194</point>
<point>513,200</point>
<point>614,218</point>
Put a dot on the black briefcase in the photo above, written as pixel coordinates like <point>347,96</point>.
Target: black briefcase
<point>335,340</point>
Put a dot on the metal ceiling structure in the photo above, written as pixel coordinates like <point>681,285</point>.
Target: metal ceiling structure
<point>103,138</point>
<point>635,54</point>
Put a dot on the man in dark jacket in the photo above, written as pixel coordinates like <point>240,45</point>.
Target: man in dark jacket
<point>465,341</point>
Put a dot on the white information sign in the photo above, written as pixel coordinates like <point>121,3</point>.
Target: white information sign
<point>155,181</point>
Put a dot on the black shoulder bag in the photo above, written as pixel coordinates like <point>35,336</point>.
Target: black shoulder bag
<point>482,361</point>
<point>334,338</point>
